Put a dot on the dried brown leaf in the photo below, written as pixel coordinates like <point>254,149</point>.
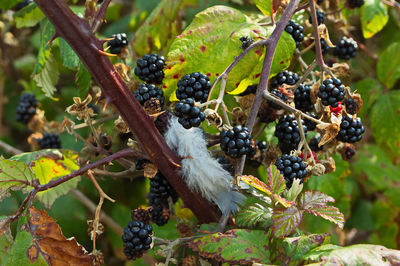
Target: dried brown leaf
<point>150,170</point>
<point>331,130</point>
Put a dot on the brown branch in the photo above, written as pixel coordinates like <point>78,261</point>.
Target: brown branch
<point>99,17</point>
<point>9,149</point>
<point>79,36</point>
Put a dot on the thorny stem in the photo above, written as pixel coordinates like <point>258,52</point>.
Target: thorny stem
<point>99,17</point>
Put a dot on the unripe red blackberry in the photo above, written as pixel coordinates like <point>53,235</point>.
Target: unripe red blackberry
<point>287,132</point>
<point>120,40</point>
<point>236,142</point>
<point>302,98</point>
<point>284,77</point>
<point>291,167</point>
<point>320,17</point>
<point>331,92</point>
<point>148,91</point>
<point>195,85</point>
<point>50,141</point>
<point>189,115</point>
<point>246,42</point>
<point>150,68</point>
<point>350,130</point>
<point>26,108</point>
<point>137,238</point>
<point>140,214</point>
<point>296,31</point>
<point>346,49</point>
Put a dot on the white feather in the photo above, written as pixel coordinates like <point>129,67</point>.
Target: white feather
<point>201,171</point>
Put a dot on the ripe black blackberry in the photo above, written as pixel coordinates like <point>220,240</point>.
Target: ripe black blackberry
<point>324,46</point>
<point>262,145</point>
<point>296,31</point>
<point>346,49</point>
<point>120,40</point>
<point>160,191</point>
<point>195,85</point>
<point>189,115</point>
<point>139,165</point>
<point>287,132</point>
<point>311,125</point>
<point>140,214</point>
<point>320,17</point>
<point>150,68</point>
<point>351,106</point>
<point>302,98</point>
<point>291,167</point>
<point>26,108</point>
<point>137,238</point>
<point>49,141</point>
<point>236,142</point>
<point>246,42</point>
<point>148,91</point>
<point>331,92</point>
<point>320,2</point>
<point>159,216</point>
<point>249,90</point>
<point>278,94</point>
<point>350,130</point>
<point>314,144</point>
<point>226,164</point>
<point>284,77</point>
<point>355,3</point>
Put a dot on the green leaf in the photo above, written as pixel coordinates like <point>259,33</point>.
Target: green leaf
<point>70,59</point>
<point>286,221</point>
<point>297,247</point>
<point>29,16</point>
<point>388,69</point>
<point>276,181</point>
<point>294,190</point>
<point>354,255</point>
<point>265,6</point>
<point>83,80</point>
<point>6,240</point>
<point>48,77</point>
<point>49,168</point>
<point>28,157</point>
<point>211,43</point>
<point>7,4</point>
<point>369,89</point>
<point>46,33</point>
<point>14,175</point>
<point>238,246</point>
<point>374,17</point>
<point>385,121</point>
<point>254,215</point>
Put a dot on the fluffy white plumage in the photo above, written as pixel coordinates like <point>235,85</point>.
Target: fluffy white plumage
<point>202,172</point>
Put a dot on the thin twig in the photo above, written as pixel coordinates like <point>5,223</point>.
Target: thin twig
<point>101,120</point>
<point>305,75</point>
<point>23,205</point>
<point>303,142</point>
<point>131,173</point>
<point>9,149</point>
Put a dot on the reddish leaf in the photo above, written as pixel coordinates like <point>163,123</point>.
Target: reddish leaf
<point>286,220</point>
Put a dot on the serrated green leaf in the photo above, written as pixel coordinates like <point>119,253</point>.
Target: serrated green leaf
<point>276,181</point>
<point>238,246</point>
<point>265,6</point>
<point>48,77</point>
<point>294,190</point>
<point>385,121</point>
<point>297,247</point>
<point>374,17</point>
<point>7,4</point>
<point>46,33</point>
<point>70,59</point>
<point>6,239</point>
<point>254,215</point>
<point>83,80</point>
<point>286,221</point>
<point>29,16</point>
<point>49,168</point>
<point>388,69</point>
<point>14,175</point>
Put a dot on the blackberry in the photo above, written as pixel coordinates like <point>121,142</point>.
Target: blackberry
<point>226,164</point>
<point>314,144</point>
<point>160,191</point>
<point>320,17</point>
<point>148,91</point>
<point>346,49</point>
<point>262,145</point>
<point>284,77</point>
<point>246,42</point>
<point>351,106</point>
<point>195,85</point>
<point>249,90</point>
<point>324,46</point>
<point>350,130</point>
<point>287,132</point>
<point>309,123</point>
<point>291,167</point>
<point>140,214</point>
<point>296,31</point>
<point>150,68</point>
<point>49,141</point>
<point>188,114</point>
<point>355,3</point>
<point>278,94</point>
<point>320,2</point>
<point>139,165</point>
<point>26,108</point>
<point>302,98</point>
<point>120,40</point>
<point>137,238</point>
<point>158,216</point>
<point>331,92</point>
<point>22,4</point>
<point>236,142</point>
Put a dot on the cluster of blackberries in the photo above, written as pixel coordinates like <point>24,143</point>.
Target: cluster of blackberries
<point>26,108</point>
<point>189,115</point>
<point>287,132</point>
<point>195,85</point>
<point>324,46</point>
<point>50,141</point>
<point>236,142</point>
<point>278,94</point>
<point>296,31</point>
<point>346,49</point>
<point>331,92</point>
<point>320,17</point>
<point>350,130</point>
<point>148,91</point>
<point>284,77</point>
<point>355,3</point>
<point>291,167</point>
<point>137,238</point>
<point>120,41</point>
<point>249,90</point>
<point>150,68</point>
<point>246,42</point>
<point>302,98</point>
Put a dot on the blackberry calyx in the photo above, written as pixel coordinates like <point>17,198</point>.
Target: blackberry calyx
<point>287,132</point>
<point>120,40</point>
<point>291,167</point>
<point>150,68</point>
<point>320,17</point>
<point>236,142</point>
<point>346,49</point>
<point>331,92</point>
<point>49,141</point>
<point>26,108</point>
<point>195,85</point>
<point>284,77</point>
<point>246,42</point>
<point>189,115</point>
<point>137,238</point>
<point>296,31</point>
<point>148,91</point>
<point>302,98</point>
<point>350,130</point>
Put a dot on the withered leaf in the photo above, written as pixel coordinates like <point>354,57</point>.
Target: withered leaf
<point>150,170</point>
<point>331,130</point>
